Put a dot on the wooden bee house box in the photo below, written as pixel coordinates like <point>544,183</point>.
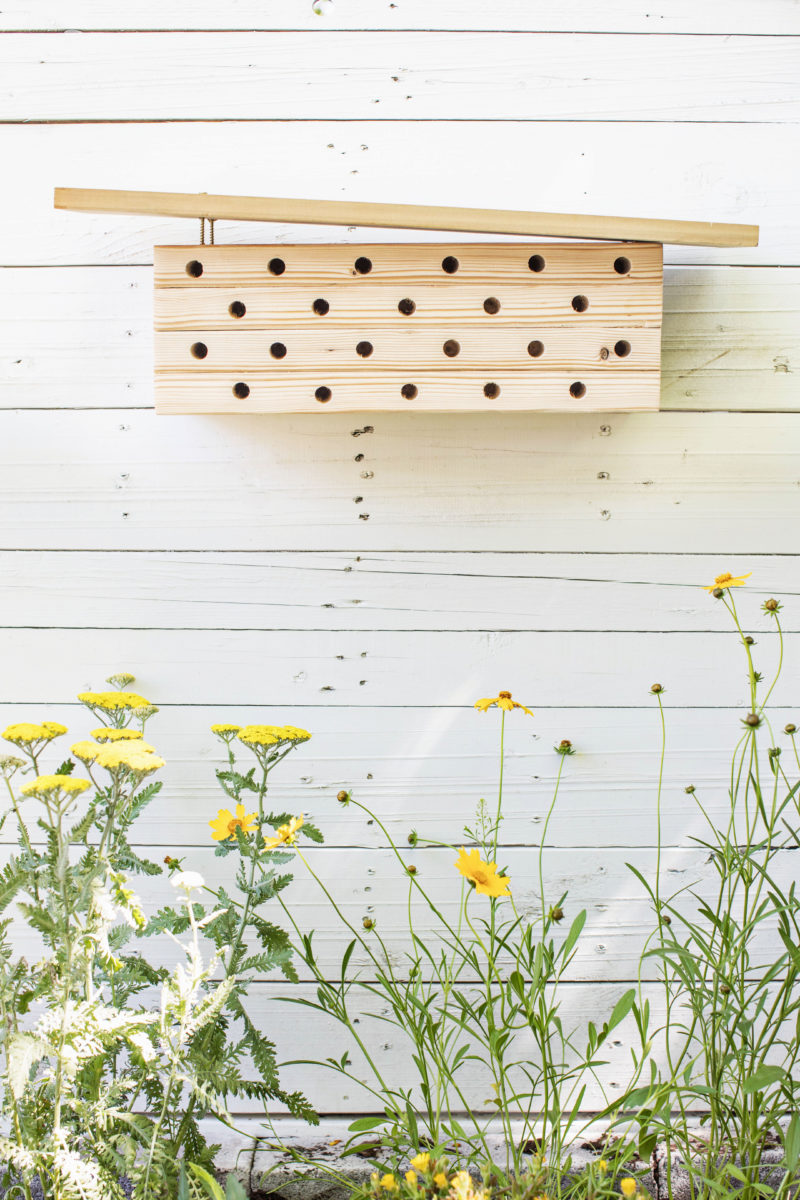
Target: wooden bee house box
<point>549,326</point>
<point>562,327</point>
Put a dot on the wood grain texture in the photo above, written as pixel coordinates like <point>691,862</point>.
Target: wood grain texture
<point>82,337</point>
<point>727,172</point>
<point>621,16</point>
<point>355,76</point>
<point>721,483</point>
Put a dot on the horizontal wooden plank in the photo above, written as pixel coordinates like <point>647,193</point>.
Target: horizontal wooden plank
<point>317,211</point>
<point>727,172</point>
<point>713,482</point>
<point>277,267</point>
<point>622,16</point>
<point>446,590</point>
<point>423,769</point>
<point>82,337</point>
<point>372,883</point>
<point>394,669</point>
<point>355,76</point>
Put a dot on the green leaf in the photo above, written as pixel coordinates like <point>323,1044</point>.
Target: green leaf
<point>791,1142</point>
<point>762,1077</point>
<point>363,1124</point>
<point>234,1190</point>
<point>621,1008</point>
<point>574,933</point>
<point>208,1181</point>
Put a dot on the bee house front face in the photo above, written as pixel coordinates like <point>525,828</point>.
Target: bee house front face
<point>561,327</point>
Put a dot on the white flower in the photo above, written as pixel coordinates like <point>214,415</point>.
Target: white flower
<point>188,880</point>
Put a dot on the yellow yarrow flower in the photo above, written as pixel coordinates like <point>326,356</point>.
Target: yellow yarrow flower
<point>224,731</point>
<point>286,835</point>
<point>627,1186</point>
<point>132,756</point>
<point>502,700</point>
<point>107,733</point>
<point>440,1179</point>
<point>26,733</point>
<point>727,581</point>
<point>113,701</point>
<point>265,736</point>
<point>388,1182</point>
<point>225,823</point>
<point>421,1162</point>
<point>49,785</point>
<point>86,751</point>
<point>482,874</point>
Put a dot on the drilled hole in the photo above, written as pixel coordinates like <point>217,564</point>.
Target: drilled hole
<point>450,264</point>
<point>364,349</point>
<point>536,349</point>
<point>363,266</point>
<point>321,307</point>
<point>237,309</point>
<point>622,349</point>
<point>323,394</point>
<point>577,390</point>
<point>580,303</point>
<point>276,266</point>
<point>622,265</point>
<point>278,350</point>
<point>406,307</point>
<point>491,305</point>
<point>409,391</point>
<point>241,391</point>
<point>536,263</point>
<point>451,348</point>
<point>491,390</point>
<point>198,350</point>
<point>194,268</point>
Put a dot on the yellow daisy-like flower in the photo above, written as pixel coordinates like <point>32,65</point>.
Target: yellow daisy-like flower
<point>411,1178</point>
<point>388,1182</point>
<point>131,756</point>
<point>286,835</point>
<point>107,733</point>
<point>461,1188</point>
<point>49,785</point>
<point>421,1162</point>
<point>482,874</point>
<point>86,751</point>
<point>726,581</point>
<point>112,701</point>
<point>627,1186</point>
<point>440,1179</point>
<point>225,823</point>
<point>502,700</point>
<point>26,733</point>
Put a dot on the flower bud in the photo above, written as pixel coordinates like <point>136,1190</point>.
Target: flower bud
<point>666,919</point>
<point>656,689</point>
<point>343,797</point>
<point>790,728</point>
<point>564,747</point>
<point>753,720</point>
<point>771,605</point>
<point>718,593</point>
<point>724,989</point>
<point>689,789</point>
<point>556,913</point>
<point>412,870</point>
<point>750,641</point>
<point>368,923</point>
<point>774,752</point>
<point>413,838</point>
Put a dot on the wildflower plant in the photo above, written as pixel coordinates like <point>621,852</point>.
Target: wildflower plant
<point>729,963</point>
<point>475,1000</point>
<point>107,1062</point>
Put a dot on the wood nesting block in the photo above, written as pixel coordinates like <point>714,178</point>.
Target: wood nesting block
<point>512,327</point>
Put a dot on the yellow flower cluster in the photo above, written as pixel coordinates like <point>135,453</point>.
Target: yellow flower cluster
<point>459,1186</point>
<point>135,756</point>
<point>107,733</point>
<point>28,734</point>
<point>48,786</point>
<point>113,702</point>
<point>264,736</point>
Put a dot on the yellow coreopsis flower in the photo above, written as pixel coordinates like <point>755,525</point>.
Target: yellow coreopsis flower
<point>482,874</point>
<point>440,1179</point>
<point>49,785</point>
<point>225,823</point>
<point>727,581</point>
<point>107,733</point>
<point>502,700</point>
<point>422,1161</point>
<point>286,835</point>
<point>627,1186</point>
<point>411,1178</point>
<point>388,1182</point>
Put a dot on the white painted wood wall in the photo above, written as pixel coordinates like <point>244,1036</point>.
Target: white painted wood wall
<point>369,578</point>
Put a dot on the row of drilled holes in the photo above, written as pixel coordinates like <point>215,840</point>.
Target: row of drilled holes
<point>406,306</point>
<point>450,264</point>
<point>451,349</point>
<point>410,391</point>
